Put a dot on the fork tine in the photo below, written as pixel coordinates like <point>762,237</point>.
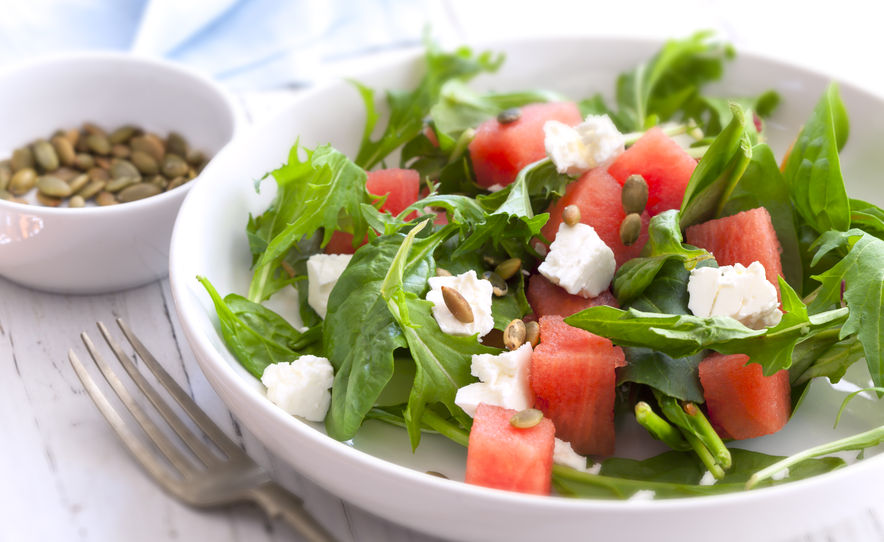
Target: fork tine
<point>146,458</point>
<point>196,413</point>
<point>192,440</point>
<point>169,450</point>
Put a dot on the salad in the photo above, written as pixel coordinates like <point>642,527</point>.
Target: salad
<point>451,271</point>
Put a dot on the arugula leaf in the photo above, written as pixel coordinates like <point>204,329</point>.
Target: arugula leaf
<point>825,356</point>
<point>867,217</point>
<point>861,272</point>
<point>408,109</point>
<point>543,184</point>
<point>712,114</point>
<point>359,333</point>
<point>256,335</point>
<point>318,191</point>
<point>813,167</point>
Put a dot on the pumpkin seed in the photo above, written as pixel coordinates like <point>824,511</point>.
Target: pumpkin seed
<point>197,159</point>
<point>138,191</point>
<point>48,201</point>
<point>66,174</point>
<point>99,144</point>
<point>149,143</point>
<point>498,285</point>
<point>571,215</point>
<point>159,181</point>
<point>103,162</point>
<point>5,175</point>
<point>532,333</point>
<point>99,174</point>
<point>436,474</point>
<point>630,228</point>
<point>22,181</point>
<point>491,260</point>
<point>176,182</point>
<point>50,185</point>
<point>76,201</point>
<point>145,163</point>
<point>123,134</point>
<point>21,159</point>
<point>174,166</point>
<point>92,188</point>
<point>457,304</point>
<point>84,161</point>
<point>115,185</point>
<point>176,144</point>
<point>507,268</point>
<point>65,150</point>
<point>72,135</point>
<point>635,194</point>
<point>93,129</point>
<point>123,168</point>
<point>6,196</point>
<point>78,182</point>
<point>526,419</point>
<point>121,151</point>
<point>508,116</point>
<point>440,272</point>
<point>514,334</point>
<point>105,198</point>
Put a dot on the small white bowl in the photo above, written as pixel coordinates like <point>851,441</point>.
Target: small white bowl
<point>102,249</point>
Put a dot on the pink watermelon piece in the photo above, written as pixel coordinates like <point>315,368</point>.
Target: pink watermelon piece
<point>401,186</point>
<point>742,238</point>
<point>547,299</point>
<point>501,456</point>
<point>666,167</point>
<point>572,376</point>
<point>500,151</point>
<point>597,195</point>
<point>741,401</point>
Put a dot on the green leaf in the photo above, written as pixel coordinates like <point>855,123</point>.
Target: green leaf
<point>543,184</point>
<point>824,356</point>
<point>867,217</point>
<point>813,168</point>
<point>513,305</point>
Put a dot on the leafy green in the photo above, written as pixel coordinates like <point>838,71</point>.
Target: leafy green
<point>513,305</point>
<point>861,272</point>
<point>408,109</point>
<point>824,355</point>
<point>712,114</point>
<point>867,217</point>
<point>813,168</point>
<point>317,191</point>
<point>542,182</point>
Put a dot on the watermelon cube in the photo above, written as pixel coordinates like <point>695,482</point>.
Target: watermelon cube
<point>499,151</point>
<point>505,457</point>
<point>597,195</point>
<point>572,376</point>
<point>741,401</point>
<point>548,299</point>
<point>666,167</point>
<point>742,238</point>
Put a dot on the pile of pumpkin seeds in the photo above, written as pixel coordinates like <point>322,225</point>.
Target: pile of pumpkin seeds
<point>634,197</point>
<point>89,164</point>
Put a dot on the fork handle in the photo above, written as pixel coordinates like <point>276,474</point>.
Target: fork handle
<point>278,502</point>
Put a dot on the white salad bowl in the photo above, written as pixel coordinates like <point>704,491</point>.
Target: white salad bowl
<point>377,470</point>
<point>102,249</point>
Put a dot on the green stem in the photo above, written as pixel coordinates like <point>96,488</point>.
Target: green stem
<point>445,428</point>
<point>697,152</point>
<point>705,455</point>
<point>709,437</point>
<point>659,428</point>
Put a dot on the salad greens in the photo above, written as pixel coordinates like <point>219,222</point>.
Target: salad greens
<point>394,364</point>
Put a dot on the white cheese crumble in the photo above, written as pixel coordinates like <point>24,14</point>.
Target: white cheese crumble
<point>780,474</point>
<point>323,271</point>
<point>503,381</point>
<point>708,479</point>
<point>596,468</point>
<point>579,261</point>
<point>477,293</point>
<point>576,150</point>
<point>301,386</point>
<point>643,495</point>
<point>564,454</point>
<point>743,293</point>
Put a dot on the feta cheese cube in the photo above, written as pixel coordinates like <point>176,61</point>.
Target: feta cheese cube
<point>708,479</point>
<point>579,261</point>
<point>301,386</point>
<point>643,495</point>
<point>323,272</point>
<point>780,475</point>
<point>503,381</point>
<point>478,294</point>
<point>576,150</point>
<point>564,454</point>
<point>743,293</point>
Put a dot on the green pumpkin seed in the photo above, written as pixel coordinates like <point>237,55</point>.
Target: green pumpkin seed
<point>115,185</point>
<point>498,285</point>
<point>44,155</point>
<point>526,419</point>
<point>635,194</point>
<point>78,182</point>
<point>174,166</point>
<point>176,144</point>
<point>123,168</point>
<point>149,143</point>
<point>65,150</point>
<point>571,215</point>
<point>105,198</point>
<point>93,129</point>
<point>99,144</point>
<point>145,163</point>
<point>508,116</point>
<point>507,268</point>
<point>91,189</point>
<point>72,135</point>
<point>66,174</point>
<point>50,185</point>
<point>84,161</point>
<point>138,191</point>
<point>514,334</point>
<point>77,201</point>
<point>532,333</point>
<point>457,304</point>
<point>630,228</point>
<point>176,182</point>
<point>99,174</point>
<point>21,159</point>
<point>159,181</point>
<point>48,201</point>
<point>22,181</point>
<point>121,151</point>
<point>123,134</point>
<point>6,196</point>
<point>197,159</point>
<point>5,175</point>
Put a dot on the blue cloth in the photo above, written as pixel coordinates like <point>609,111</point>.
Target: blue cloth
<point>247,44</point>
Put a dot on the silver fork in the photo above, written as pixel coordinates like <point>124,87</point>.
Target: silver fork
<point>206,479</point>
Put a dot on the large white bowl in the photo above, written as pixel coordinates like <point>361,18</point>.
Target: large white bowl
<point>376,470</point>
<point>102,249</point>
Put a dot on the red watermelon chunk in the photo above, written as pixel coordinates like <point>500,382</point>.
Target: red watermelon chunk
<point>572,376</point>
<point>597,195</point>
<point>505,457</point>
<point>742,402</point>
<point>548,299</point>
<point>666,167</point>
<point>401,187</point>
<point>499,151</point>
<point>742,238</point>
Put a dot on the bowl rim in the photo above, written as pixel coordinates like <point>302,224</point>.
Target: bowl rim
<point>231,104</point>
<point>187,309</point>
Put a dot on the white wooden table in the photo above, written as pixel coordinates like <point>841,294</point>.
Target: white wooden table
<point>63,473</point>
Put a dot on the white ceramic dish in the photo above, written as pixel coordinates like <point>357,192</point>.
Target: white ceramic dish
<point>101,249</point>
<point>376,470</point>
